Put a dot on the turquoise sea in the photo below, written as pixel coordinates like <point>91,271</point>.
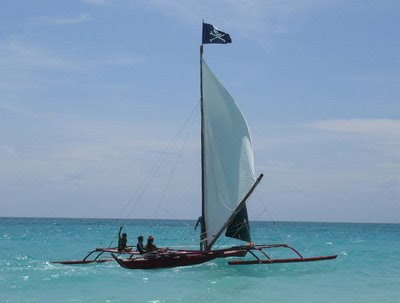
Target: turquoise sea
<point>367,268</point>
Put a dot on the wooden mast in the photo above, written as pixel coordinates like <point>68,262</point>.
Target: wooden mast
<point>203,244</point>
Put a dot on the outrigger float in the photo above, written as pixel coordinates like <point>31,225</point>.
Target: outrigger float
<point>228,180</point>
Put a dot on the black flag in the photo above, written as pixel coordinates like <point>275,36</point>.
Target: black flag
<point>213,35</point>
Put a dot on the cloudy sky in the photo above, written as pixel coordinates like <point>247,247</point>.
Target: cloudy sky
<point>92,94</point>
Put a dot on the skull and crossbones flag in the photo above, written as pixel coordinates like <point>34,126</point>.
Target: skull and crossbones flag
<point>214,35</point>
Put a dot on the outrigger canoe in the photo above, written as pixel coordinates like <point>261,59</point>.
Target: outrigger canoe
<point>165,258</point>
<point>227,180</point>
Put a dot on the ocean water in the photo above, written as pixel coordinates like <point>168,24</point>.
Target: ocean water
<point>367,268</point>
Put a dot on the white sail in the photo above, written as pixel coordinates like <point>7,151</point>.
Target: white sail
<point>228,168</point>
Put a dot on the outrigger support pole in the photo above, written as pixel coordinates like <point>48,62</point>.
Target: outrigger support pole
<point>269,260</point>
<point>100,252</point>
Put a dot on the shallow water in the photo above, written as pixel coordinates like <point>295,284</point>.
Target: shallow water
<point>367,268</point>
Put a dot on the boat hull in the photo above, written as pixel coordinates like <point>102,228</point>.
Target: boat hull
<point>176,258</point>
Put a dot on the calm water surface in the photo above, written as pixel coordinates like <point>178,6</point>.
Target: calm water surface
<point>367,268</point>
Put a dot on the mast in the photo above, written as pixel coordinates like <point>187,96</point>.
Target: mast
<point>227,164</point>
<point>203,225</point>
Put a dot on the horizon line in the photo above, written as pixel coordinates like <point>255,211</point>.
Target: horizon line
<point>182,219</point>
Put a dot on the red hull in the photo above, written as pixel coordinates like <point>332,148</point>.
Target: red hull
<point>176,258</point>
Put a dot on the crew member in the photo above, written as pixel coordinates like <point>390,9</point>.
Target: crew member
<point>140,246</point>
<point>150,245</point>
<point>122,240</point>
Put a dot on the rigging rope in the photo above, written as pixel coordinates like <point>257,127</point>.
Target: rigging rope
<point>174,168</point>
<point>270,217</point>
<point>141,189</point>
<point>172,216</point>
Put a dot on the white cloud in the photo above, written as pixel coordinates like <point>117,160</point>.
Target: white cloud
<point>245,16</point>
<point>377,127</point>
<point>47,20</point>
<point>24,112</point>
<point>7,152</point>
<point>120,59</point>
<point>98,2</point>
<point>14,53</point>
<point>256,18</point>
<point>306,176</point>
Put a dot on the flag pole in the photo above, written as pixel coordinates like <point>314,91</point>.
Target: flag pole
<point>203,226</point>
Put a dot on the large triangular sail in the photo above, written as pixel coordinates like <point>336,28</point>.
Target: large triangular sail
<point>228,165</point>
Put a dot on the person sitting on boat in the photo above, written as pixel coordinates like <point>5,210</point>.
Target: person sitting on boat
<point>150,247</point>
<point>122,240</point>
<point>140,246</point>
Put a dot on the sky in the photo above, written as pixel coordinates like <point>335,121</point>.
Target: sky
<point>93,92</point>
